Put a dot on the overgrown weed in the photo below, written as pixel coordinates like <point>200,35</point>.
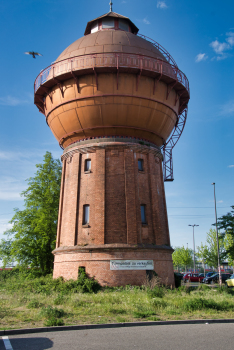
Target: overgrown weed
<point>40,300</point>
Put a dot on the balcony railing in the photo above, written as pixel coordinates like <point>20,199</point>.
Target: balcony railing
<point>111,60</point>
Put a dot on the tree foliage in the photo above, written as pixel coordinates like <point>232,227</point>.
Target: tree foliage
<point>32,237</point>
<point>182,257</point>
<point>226,223</point>
<point>208,253</point>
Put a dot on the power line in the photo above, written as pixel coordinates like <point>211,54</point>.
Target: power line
<point>198,207</point>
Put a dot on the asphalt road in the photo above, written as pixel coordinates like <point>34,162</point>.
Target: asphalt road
<point>169,337</point>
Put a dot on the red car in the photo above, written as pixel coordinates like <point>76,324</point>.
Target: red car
<point>193,277</point>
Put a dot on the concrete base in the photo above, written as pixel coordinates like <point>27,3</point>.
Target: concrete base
<point>96,261</point>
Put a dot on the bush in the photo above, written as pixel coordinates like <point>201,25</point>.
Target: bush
<point>33,282</point>
<point>34,304</point>
<point>51,322</point>
<point>143,313</point>
<point>159,303</point>
<point>85,284</point>
<point>185,289</point>
<point>156,292</point>
<point>49,312</point>
<point>199,304</point>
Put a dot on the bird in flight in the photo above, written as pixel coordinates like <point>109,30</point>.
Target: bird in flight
<point>34,54</point>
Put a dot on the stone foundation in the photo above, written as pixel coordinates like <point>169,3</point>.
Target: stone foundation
<point>97,264</point>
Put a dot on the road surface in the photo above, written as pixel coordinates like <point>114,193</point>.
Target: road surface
<point>166,337</point>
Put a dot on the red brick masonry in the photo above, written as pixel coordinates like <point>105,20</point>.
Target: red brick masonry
<point>114,189</point>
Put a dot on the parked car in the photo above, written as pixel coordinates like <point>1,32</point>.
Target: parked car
<point>192,277</point>
<point>215,278</point>
<point>210,274</point>
<point>230,281</point>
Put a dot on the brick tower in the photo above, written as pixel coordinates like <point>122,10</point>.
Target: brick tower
<point>113,100</point>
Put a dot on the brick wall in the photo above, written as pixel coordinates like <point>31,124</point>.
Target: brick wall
<point>114,189</point>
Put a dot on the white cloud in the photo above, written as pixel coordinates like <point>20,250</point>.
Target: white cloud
<point>201,57</point>
<point>162,5</point>
<point>230,38</point>
<point>218,47</point>
<point>231,166</point>
<point>145,20</point>
<point>221,48</point>
<point>13,101</point>
<point>220,201</point>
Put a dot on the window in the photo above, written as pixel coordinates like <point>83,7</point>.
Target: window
<point>108,23</point>
<point>123,25</point>
<point>94,27</point>
<point>140,164</point>
<point>86,214</point>
<point>87,164</point>
<point>143,217</point>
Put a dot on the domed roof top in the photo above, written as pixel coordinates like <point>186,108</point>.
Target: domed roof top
<point>111,41</point>
<point>134,29</point>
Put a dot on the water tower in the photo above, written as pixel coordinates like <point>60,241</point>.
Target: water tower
<point>116,102</point>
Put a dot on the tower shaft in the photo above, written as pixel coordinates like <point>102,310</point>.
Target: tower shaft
<point>124,191</point>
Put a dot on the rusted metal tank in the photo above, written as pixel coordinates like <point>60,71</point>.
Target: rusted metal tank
<point>112,82</point>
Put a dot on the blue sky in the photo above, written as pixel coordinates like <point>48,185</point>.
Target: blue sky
<point>200,37</point>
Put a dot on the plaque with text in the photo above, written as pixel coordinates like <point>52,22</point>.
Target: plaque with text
<point>131,264</point>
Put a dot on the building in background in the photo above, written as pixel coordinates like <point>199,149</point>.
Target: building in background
<point>117,104</point>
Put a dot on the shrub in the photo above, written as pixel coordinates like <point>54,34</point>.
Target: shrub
<point>85,284</point>
<point>185,289</point>
<point>51,322</point>
<point>143,313</point>
<point>199,304</point>
<point>159,303</point>
<point>50,312</point>
<point>59,300</point>
<point>34,304</point>
<point>157,291</point>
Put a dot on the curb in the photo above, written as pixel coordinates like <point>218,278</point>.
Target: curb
<point>109,325</point>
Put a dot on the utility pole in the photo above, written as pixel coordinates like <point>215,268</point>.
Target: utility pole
<point>217,237</point>
<point>194,268</point>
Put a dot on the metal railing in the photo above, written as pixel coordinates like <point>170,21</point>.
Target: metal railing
<point>111,60</point>
<point>163,51</point>
<point>170,144</point>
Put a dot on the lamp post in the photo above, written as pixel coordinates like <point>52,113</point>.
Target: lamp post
<point>217,237</point>
<point>193,248</point>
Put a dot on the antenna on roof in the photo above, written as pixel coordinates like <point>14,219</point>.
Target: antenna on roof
<point>111,3</point>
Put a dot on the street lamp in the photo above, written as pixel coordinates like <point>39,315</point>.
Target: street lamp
<point>217,237</point>
<point>193,248</point>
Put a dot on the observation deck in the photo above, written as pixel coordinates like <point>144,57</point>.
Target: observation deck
<point>160,70</point>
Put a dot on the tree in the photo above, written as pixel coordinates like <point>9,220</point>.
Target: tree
<point>226,223</point>
<point>202,253</point>
<point>209,253</point>
<point>229,246</point>
<point>182,257</point>
<point>32,237</point>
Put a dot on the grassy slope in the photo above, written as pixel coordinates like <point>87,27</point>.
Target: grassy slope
<point>27,302</point>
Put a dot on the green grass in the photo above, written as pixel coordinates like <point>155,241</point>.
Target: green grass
<point>30,300</point>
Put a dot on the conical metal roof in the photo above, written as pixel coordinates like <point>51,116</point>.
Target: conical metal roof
<point>134,29</point>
